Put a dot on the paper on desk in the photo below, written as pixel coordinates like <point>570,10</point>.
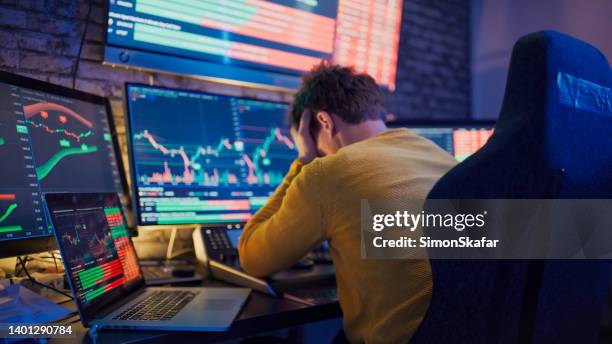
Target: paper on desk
<point>21,305</point>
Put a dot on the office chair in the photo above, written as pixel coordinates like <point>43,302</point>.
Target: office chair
<point>553,139</point>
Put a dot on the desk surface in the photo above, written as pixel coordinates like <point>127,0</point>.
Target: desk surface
<point>261,313</point>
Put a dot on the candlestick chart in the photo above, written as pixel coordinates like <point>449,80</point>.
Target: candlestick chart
<point>95,244</point>
<point>206,158</point>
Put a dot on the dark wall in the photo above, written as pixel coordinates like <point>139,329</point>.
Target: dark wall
<point>40,39</point>
<point>433,79</point>
<point>498,24</point>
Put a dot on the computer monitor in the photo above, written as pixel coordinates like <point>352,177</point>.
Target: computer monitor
<point>52,139</point>
<point>203,158</point>
<point>459,138</point>
<point>263,43</point>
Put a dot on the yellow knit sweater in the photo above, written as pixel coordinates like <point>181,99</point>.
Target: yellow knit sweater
<point>383,301</point>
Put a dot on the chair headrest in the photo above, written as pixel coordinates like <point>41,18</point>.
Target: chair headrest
<point>553,137</point>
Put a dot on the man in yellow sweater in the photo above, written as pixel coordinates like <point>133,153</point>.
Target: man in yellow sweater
<point>347,154</point>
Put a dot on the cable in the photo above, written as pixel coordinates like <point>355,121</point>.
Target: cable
<point>54,260</point>
<point>32,280</point>
<point>78,58</point>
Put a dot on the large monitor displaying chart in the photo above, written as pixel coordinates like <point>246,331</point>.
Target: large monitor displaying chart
<point>202,157</point>
<point>52,139</point>
<point>255,41</point>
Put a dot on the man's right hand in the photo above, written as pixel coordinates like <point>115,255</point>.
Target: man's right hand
<point>307,148</point>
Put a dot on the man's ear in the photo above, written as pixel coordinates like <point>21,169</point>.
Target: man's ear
<point>326,122</point>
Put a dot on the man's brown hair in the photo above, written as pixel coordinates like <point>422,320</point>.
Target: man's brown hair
<point>354,97</point>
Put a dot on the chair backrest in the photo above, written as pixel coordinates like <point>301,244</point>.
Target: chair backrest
<point>553,139</point>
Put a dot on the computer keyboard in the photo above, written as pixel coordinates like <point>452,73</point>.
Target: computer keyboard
<point>160,305</point>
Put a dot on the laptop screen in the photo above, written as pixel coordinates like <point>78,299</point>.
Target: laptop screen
<point>97,251</point>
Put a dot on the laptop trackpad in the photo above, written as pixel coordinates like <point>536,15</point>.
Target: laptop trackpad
<point>218,304</point>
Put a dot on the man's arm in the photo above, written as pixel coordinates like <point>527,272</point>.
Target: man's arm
<point>289,226</point>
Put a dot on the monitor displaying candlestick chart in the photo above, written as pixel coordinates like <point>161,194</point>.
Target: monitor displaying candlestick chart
<point>52,139</point>
<point>204,158</point>
<point>95,245</point>
<point>255,41</point>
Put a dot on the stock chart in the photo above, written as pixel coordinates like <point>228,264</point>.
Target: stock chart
<point>95,243</point>
<point>70,138</point>
<point>459,142</point>
<point>20,203</point>
<point>205,158</point>
<point>49,143</point>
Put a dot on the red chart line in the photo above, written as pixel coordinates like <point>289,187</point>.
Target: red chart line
<point>67,133</point>
<point>34,109</point>
<point>7,197</point>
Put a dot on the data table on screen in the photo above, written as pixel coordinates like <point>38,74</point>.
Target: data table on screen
<point>281,36</point>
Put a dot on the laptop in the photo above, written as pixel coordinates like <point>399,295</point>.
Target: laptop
<point>106,279</point>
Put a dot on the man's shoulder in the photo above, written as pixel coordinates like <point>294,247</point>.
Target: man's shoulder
<point>321,164</point>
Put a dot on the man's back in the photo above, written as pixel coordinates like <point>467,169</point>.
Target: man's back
<point>382,300</point>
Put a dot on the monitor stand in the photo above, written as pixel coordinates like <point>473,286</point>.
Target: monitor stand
<point>171,270</point>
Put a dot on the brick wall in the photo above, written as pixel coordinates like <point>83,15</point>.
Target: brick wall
<point>40,39</point>
<point>433,79</point>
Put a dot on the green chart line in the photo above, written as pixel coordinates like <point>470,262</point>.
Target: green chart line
<point>7,229</point>
<point>2,141</point>
<point>8,212</point>
<point>43,170</point>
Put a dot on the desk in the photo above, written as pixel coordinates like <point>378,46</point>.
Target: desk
<point>261,313</point>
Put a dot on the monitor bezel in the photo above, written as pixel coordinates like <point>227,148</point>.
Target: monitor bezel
<point>132,162</point>
<point>23,246</point>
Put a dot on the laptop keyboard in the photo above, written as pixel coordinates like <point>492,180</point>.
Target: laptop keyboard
<point>160,305</point>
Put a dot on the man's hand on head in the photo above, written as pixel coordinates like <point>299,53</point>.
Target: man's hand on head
<point>307,148</point>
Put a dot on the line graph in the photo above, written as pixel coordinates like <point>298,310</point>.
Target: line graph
<point>53,120</point>
<point>43,170</point>
<point>8,212</point>
<point>194,172</point>
<point>7,197</point>
<point>260,155</point>
<point>43,109</point>
<point>66,132</point>
<point>21,215</point>
<point>69,138</point>
<point>205,158</point>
